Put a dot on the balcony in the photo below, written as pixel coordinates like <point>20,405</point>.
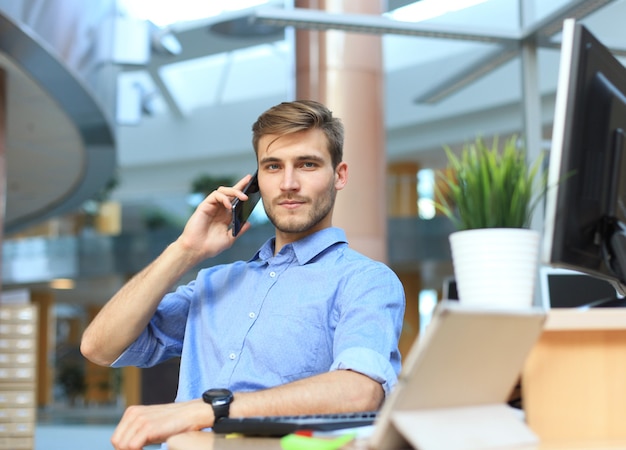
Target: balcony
<point>93,259</point>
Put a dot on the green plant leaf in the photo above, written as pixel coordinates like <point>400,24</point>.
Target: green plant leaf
<point>490,187</point>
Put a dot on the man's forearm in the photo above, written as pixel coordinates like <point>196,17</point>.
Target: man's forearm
<point>336,391</point>
<point>128,312</point>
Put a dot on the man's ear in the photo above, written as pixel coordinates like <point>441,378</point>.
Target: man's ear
<point>341,175</point>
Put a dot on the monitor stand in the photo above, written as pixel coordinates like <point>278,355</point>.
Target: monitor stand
<point>610,302</point>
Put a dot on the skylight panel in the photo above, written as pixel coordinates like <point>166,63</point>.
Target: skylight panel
<point>166,12</point>
<point>429,9</point>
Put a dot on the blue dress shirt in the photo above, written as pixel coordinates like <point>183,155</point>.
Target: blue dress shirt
<point>316,306</point>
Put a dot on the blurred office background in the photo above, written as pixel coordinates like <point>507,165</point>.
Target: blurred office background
<point>118,115</point>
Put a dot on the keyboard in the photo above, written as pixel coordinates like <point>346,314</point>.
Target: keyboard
<point>276,426</point>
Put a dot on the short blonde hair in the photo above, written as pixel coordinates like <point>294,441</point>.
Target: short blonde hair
<point>301,115</point>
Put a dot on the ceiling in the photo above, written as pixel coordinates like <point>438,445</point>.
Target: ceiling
<point>201,101</point>
<point>189,108</point>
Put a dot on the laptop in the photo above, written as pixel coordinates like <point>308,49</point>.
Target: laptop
<point>454,385</point>
<point>460,371</point>
<point>449,290</point>
<point>565,288</point>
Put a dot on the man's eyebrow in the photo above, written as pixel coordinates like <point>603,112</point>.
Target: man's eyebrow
<point>272,159</point>
<point>268,159</point>
<point>310,158</point>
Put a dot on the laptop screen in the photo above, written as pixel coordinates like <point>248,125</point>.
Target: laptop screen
<point>562,288</point>
<point>449,289</point>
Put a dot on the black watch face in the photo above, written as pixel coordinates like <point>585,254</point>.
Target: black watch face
<point>219,392</point>
<point>217,396</point>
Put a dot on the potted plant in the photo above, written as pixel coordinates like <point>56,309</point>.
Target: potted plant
<point>490,195</point>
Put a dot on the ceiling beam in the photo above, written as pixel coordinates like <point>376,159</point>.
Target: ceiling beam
<point>367,23</point>
<point>494,59</point>
<point>510,42</point>
<point>543,30</point>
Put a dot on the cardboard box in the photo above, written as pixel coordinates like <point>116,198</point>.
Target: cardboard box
<point>14,395</point>
<point>17,429</point>
<point>18,414</point>
<point>18,313</point>
<point>18,345</point>
<point>17,330</point>
<point>17,375</point>
<point>17,443</point>
<point>17,359</point>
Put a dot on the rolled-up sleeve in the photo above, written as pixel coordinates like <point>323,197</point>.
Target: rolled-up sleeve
<point>370,363</point>
<point>163,337</point>
<point>370,314</point>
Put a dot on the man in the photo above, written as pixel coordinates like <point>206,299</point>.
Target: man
<point>308,325</point>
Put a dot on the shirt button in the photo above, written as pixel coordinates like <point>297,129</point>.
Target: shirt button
<point>252,315</point>
<point>232,356</point>
<point>272,274</point>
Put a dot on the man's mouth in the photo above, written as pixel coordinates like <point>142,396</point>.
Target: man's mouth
<point>291,203</point>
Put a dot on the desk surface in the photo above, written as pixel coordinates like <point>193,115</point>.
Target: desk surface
<point>600,319</point>
<point>564,319</point>
<point>199,440</point>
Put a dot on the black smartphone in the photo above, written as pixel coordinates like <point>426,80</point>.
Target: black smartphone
<point>241,209</point>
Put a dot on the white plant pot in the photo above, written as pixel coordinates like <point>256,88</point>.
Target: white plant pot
<point>496,267</point>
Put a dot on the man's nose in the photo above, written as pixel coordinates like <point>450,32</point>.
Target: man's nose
<point>289,181</point>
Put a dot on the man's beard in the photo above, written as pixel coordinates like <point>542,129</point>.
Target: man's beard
<point>317,212</point>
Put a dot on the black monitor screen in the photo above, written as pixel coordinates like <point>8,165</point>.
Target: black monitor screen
<point>585,205</point>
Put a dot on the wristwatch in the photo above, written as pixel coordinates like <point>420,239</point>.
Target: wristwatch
<point>220,400</point>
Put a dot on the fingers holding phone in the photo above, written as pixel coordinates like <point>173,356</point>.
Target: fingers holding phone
<point>208,230</point>
<point>241,209</point>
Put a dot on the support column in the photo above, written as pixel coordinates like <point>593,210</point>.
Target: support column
<point>412,283</point>
<point>344,71</point>
<point>131,385</point>
<point>531,100</point>
<point>402,202</point>
<point>3,176</point>
<point>402,189</point>
<point>46,346</point>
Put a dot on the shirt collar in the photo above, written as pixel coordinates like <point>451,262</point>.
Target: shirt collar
<point>306,248</point>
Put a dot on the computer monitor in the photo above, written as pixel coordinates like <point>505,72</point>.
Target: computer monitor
<point>585,218</point>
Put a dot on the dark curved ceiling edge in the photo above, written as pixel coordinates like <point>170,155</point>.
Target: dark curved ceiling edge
<point>76,101</point>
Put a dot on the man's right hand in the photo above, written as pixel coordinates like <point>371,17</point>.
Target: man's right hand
<point>153,424</point>
<point>207,232</point>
